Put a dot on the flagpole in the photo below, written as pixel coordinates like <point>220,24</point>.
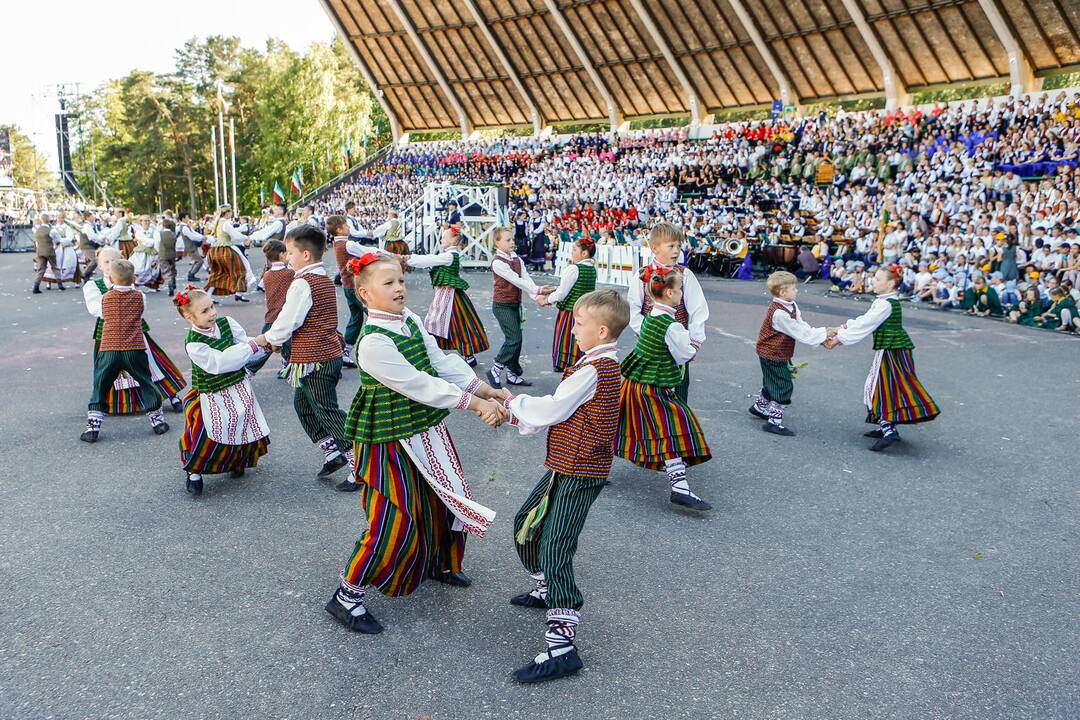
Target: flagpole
<point>213,154</point>
<point>232,148</point>
<point>221,136</point>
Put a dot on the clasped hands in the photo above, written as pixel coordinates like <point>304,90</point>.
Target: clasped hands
<point>831,340</point>
<point>262,342</point>
<point>542,295</point>
<point>488,405</point>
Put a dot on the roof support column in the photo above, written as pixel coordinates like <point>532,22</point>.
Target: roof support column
<point>787,92</point>
<point>1021,78</point>
<point>614,115</point>
<point>895,92</point>
<point>481,24</point>
<point>661,42</point>
<point>395,124</point>
<point>436,70</point>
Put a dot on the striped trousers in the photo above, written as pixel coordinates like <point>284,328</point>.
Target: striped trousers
<point>551,549</point>
<point>509,317</point>
<point>776,382</point>
<point>316,404</point>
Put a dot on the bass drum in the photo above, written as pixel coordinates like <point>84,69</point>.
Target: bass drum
<point>780,256</point>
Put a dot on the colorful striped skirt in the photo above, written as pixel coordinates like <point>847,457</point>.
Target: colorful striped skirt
<point>893,392</point>
<point>398,247</point>
<point>199,454</point>
<point>227,273</point>
<point>656,425</point>
<point>467,335</point>
<point>409,528</point>
<point>125,397</point>
<point>173,382</point>
<point>564,349</point>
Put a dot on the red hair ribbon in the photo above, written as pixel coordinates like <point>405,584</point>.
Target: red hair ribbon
<point>455,230</point>
<point>357,264</point>
<point>894,269</point>
<point>182,298</point>
<point>586,243</point>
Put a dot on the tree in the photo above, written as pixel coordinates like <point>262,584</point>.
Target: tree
<point>29,169</point>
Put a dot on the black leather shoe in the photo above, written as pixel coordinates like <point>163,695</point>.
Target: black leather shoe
<point>161,428</point>
<point>346,486</point>
<point>456,579</point>
<point>61,288</point>
<point>89,436</point>
<point>551,669</point>
<point>177,405</point>
<point>518,381</point>
<point>236,473</point>
<point>366,623</point>
<point>493,379</point>
<point>332,466</point>
<point>194,487</point>
<point>885,441</point>
<point>777,429</point>
<point>690,502</point>
<point>527,600</point>
<point>757,413</point>
<point>240,298</point>
<point>36,290</point>
<point>873,434</point>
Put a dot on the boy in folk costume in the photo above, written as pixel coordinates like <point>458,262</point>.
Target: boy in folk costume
<point>577,279</point>
<point>338,228</point>
<point>277,278</point>
<point>666,241</point>
<point>893,393</point>
<point>127,396</point>
<point>308,320</point>
<point>657,429</point>
<point>451,318</point>
<point>193,242</point>
<point>122,348</point>
<point>511,279</point>
<point>224,427</point>
<point>581,416</point>
<point>230,272</point>
<point>417,500</point>
<point>782,326</point>
<point>45,254</point>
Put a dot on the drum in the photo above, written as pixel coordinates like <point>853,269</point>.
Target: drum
<point>781,255</point>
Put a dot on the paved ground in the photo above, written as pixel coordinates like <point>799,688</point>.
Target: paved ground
<point>939,580</point>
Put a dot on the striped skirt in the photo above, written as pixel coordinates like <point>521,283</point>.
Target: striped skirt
<point>564,349</point>
<point>409,529</point>
<point>199,454</point>
<point>893,392</point>
<point>227,274</point>
<point>656,425</point>
<point>467,335</point>
<point>173,382</point>
<point>125,397</point>
<point>398,247</point>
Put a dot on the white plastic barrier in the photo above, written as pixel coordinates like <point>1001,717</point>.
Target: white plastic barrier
<point>615,264</point>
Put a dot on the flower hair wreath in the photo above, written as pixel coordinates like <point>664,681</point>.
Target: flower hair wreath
<point>656,276</point>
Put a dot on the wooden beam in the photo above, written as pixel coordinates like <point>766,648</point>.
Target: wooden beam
<point>665,49</point>
<point>787,93</point>
<point>1021,78</point>
<point>614,114</point>
<point>895,94</point>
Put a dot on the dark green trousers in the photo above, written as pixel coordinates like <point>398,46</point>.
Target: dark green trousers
<point>509,317</point>
<point>682,390</point>
<point>551,548</point>
<point>316,404</point>
<point>357,313</point>
<point>256,365</point>
<point>776,382</point>
<point>108,364</point>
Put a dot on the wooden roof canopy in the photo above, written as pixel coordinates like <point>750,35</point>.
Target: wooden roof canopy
<point>469,64</point>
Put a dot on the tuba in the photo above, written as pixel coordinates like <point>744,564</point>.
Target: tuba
<point>733,247</point>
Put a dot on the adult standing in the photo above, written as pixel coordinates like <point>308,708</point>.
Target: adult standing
<point>192,245</point>
<point>67,258</point>
<point>44,252</point>
<point>357,232</point>
<point>230,273</point>
<point>89,241</point>
<point>167,254</point>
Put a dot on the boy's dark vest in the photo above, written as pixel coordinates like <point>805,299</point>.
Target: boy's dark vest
<point>771,343</point>
<point>318,339</point>
<point>584,443</point>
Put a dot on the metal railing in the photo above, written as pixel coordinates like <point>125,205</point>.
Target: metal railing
<point>349,174</point>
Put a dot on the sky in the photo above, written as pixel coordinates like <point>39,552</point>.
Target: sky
<point>46,43</point>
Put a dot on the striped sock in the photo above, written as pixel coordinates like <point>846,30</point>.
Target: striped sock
<point>676,472</point>
<point>157,417</point>
<point>329,448</point>
<point>761,404</point>
<point>352,599</point>
<point>776,413</point>
<point>886,427</point>
<point>541,586</point>
<point>93,420</point>
<point>561,630</point>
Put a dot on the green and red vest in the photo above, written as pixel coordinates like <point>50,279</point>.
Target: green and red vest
<point>202,381</point>
<point>449,275</point>
<point>585,283</point>
<point>379,414</point>
<point>651,362</point>
<point>890,335</point>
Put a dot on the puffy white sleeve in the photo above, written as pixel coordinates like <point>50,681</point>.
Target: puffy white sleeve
<point>293,313</point>
<point>425,262</point>
<point>234,234</point>
<point>219,362</point>
<point>696,307</point>
<point>677,339</point>
<point>192,235</point>
<point>92,298</point>
<point>523,282</point>
<point>635,295</point>
<point>855,330</point>
<point>450,366</point>
<point>267,232</point>
<point>532,414</point>
<point>566,283</point>
<point>378,356</point>
<point>798,328</point>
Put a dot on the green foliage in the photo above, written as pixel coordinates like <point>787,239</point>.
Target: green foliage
<point>667,121</point>
<point>1061,80</point>
<point>575,128</point>
<point>960,92</point>
<point>738,115</point>
<point>150,133</point>
<point>29,167</point>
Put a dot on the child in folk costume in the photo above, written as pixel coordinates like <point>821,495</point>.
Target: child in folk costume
<point>308,320</point>
<point>692,312</point>
<point>338,228</point>
<point>391,236</point>
<point>511,279</point>
<point>657,429</point>
<point>581,416</point>
<point>577,279</point>
<point>893,393</point>
<point>782,326</point>
<point>122,348</point>
<point>277,278</point>
<point>414,491</point>
<point>145,255</point>
<point>224,427</point>
<point>230,272</point>
<point>451,318</point>
<point>126,396</point>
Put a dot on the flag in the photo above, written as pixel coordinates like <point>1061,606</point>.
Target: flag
<point>294,183</point>
<point>300,175</point>
<point>262,195</point>
<point>279,194</point>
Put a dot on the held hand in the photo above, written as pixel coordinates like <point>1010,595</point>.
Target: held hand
<point>501,395</point>
<point>831,343</point>
<point>491,412</point>
<point>830,332</point>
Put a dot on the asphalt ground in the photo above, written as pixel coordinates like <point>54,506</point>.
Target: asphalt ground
<point>937,580</point>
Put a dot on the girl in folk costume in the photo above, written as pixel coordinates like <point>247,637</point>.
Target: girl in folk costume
<point>126,395</point>
<point>224,427</point>
<point>451,318</point>
<point>65,239</point>
<point>145,255</point>
<point>692,312</point>
<point>120,233</point>
<point>414,491</point>
<point>577,279</point>
<point>230,272</point>
<point>393,238</point>
<point>657,429</point>
<point>893,394</point>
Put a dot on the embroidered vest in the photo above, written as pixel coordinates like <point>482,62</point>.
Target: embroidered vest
<point>682,315</point>
<point>583,444</point>
<point>318,339</point>
<point>585,283</point>
<point>276,284</point>
<point>121,328</point>
<point>773,344</point>
<point>379,414</point>
<point>651,362</point>
<point>506,292</point>
<point>103,288</point>
<point>890,335</point>
<point>202,381</point>
<point>449,275</point>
